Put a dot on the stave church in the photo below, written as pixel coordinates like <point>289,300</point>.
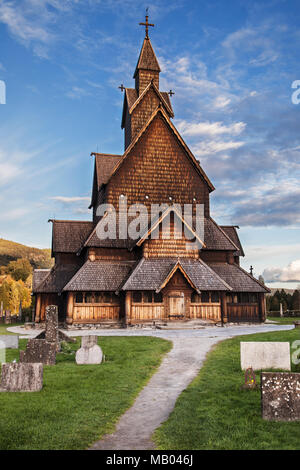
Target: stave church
<point>174,276</point>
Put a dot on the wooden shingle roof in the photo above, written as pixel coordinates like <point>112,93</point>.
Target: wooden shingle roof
<point>100,275</point>
<point>161,113</point>
<point>131,100</point>
<point>56,279</point>
<point>150,274</point>
<point>68,236</point>
<point>238,279</point>
<point>147,59</point>
<point>215,238</point>
<point>231,231</point>
<point>38,277</point>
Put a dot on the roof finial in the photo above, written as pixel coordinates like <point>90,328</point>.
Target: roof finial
<point>147,24</point>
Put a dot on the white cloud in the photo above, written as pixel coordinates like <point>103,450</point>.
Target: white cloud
<point>70,200</point>
<point>210,128</point>
<point>212,147</point>
<point>8,172</point>
<point>287,274</point>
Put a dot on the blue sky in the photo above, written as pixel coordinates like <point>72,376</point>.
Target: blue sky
<point>231,64</point>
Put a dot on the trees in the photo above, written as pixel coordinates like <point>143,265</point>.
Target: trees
<point>296,300</point>
<point>20,269</point>
<point>12,293</point>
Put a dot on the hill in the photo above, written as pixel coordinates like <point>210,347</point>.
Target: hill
<point>11,251</point>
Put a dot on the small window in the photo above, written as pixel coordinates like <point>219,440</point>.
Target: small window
<point>215,297</point>
<point>98,298</point>
<point>195,298</point>
<point>137,297</point>
<point>88,298</point>
<point>147,297</point>
<point>244,298</point>
<point>252,298</point>
<point>205,297</point>
<point>107,297</point>
<point>79,298</point>
<point>114,298</point>
<point>158,298</point>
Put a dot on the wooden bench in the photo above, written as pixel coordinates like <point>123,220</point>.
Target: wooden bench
<point>176,316</point>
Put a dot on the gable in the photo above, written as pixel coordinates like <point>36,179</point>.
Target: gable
<point>158,165</point>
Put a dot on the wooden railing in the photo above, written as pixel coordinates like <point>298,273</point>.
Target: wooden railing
<point>91,313</point>
<point>209,311</point>
<point>147,312</point>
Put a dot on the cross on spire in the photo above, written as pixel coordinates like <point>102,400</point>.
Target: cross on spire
<point>251,270</point>
<point>171,93</point>
<point>147,24</point>
<point>122,88</point>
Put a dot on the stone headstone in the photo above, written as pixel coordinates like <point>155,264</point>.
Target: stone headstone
<point>39,350</point>
<point>90,352</point>
<point>89,341</point>
<point>20,377</point>
<point>280,396</point>
<point>51,332</point>
<point>265,355</point>
<point>10,342</point>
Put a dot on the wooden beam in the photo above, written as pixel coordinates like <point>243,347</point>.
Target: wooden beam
<point>37,314</point>
<point>70,308</point>
<point>223,308</point>
<point>127,307</point>
<point>262,307</point>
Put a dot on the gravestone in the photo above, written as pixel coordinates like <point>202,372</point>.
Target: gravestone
<point>51,331</point>
<point>10,342</point>
<point>90,352</point>
<point>52,334</point>
<point>39,350</point>
<point>280,396</point>
<point>19,377</point>
<point>265,355</point>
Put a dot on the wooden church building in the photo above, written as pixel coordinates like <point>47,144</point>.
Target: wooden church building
<point>124,281</point>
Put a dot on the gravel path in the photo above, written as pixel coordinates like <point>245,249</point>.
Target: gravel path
<point>179,367</point>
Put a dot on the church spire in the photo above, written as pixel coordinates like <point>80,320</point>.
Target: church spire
<point>147,68</point>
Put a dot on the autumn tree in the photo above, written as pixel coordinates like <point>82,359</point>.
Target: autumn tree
<point>20,269</point>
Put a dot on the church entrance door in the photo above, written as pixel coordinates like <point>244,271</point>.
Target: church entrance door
<point>176,306</point>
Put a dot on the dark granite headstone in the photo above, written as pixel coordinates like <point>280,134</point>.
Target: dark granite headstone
<point>19,377</point>
<point>280,396</point>
<point>39,350</point>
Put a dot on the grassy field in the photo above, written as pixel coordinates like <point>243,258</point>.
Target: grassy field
<point>284,320</point>
<point>3,328</point>
<point>78,404</point>
<point>215,413</point>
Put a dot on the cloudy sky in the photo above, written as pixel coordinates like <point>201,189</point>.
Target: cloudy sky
<point>231,64</point>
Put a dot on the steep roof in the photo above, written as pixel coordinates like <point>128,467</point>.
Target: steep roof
<point>151,274</point>
<point>160,111</point>
<point>215,238</point>
<point>38,277</point>
<point>103,168</point>
<point>68,236</point>
<point>238,279</point>
<point>147,59</point>
<point>131,100</point>
<point>100,275</point>
<point>56,279</point>
<point>231,231</point>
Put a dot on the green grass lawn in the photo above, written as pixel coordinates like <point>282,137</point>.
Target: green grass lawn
<point>214,413</point>
<point>284,320</point>
<point>3,328</point>
<point>78,403</point>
